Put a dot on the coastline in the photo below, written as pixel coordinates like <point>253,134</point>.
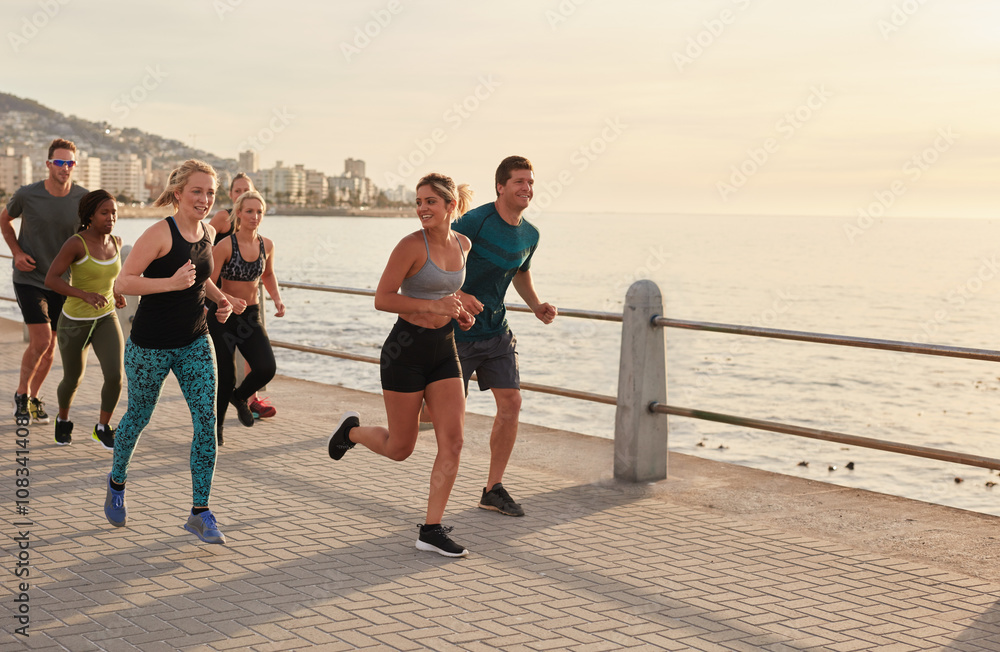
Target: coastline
<point>127,212</point>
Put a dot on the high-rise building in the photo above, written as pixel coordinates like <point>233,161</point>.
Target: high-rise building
<point>88,171</point>
<point>317,187</point>
<point>124,176</point>
<point>283,185</point>
<point>354,168</point>
<point>353,190</point>
<point>249,161</point>
<point>15,171</point>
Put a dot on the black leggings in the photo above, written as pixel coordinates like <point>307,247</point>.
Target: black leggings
<point>246,333</point>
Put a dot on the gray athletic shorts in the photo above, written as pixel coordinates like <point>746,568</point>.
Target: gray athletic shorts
<point>494,361</point>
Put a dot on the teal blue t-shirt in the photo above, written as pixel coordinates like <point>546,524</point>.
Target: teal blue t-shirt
<point>499,251</point>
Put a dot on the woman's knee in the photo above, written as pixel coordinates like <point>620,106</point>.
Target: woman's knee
<point>399,451</point>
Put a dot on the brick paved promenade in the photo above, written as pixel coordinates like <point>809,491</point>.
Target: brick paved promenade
<point>321,554</point>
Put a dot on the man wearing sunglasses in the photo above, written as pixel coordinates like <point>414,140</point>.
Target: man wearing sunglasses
<point>48,212</point>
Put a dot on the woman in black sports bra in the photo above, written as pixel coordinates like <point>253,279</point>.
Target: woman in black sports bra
<point>243,260</point>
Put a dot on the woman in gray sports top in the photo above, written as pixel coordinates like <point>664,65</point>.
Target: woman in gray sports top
<point>419,358</point>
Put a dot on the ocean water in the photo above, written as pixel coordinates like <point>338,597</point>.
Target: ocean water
<point>927,280</point>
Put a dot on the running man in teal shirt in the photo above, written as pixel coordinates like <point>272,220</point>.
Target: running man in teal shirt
<point>503,243</point>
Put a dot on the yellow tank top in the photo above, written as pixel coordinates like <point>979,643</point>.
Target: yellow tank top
<point>92,275</point>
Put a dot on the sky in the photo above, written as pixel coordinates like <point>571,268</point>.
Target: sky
<point>863,108</point>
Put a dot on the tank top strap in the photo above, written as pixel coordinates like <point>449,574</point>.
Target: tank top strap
<point>86,249</point>
<point>427,246</point>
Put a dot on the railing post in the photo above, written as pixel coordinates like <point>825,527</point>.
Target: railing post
<point>641,435</point>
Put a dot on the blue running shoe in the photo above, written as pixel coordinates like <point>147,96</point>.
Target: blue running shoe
<point>114,506</point>
<point>205,528</point>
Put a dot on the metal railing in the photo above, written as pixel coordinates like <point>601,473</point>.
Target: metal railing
<point>641,442</point>
<point>650,450</point>
<point>827,435</point>
<point>514,307</point>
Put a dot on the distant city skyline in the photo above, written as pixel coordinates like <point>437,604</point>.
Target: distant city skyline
<point>859,108</point>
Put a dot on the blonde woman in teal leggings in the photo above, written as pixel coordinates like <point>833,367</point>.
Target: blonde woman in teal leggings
<point>88,316</point>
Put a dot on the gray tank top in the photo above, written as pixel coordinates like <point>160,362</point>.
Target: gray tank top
<point>432,282</point>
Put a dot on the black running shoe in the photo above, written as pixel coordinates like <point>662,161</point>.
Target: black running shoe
<point>37,410</point>
<point>64,432</point>
<point>105,435</point>
<point>434,538</point>
<point>21,415</point>
<point>498,500</point>
<point>338,442</point>
<point>242,411</point>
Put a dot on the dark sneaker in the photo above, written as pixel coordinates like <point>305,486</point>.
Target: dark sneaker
<point>242,411</point>
<point>64,432</point>
<point>339,443</point>
<point>262,408</point>
<point>434,538</point>
<point>498,500</point>
<point>205,528</point>
<point>114,506</point>
<point>37,410</point>
<point>103,434</point>
<point>21,415</point>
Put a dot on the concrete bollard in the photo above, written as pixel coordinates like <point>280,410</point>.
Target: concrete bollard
<point>641,435</point>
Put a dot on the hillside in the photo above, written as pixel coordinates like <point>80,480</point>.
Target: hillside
<point>38,124</point>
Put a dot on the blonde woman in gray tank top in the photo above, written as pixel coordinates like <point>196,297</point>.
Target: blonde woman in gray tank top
<point>419,358</point>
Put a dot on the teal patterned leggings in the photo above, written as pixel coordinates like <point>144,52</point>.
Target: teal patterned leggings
<point>146,369</point>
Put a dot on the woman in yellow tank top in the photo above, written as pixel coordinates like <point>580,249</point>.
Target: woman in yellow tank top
<point>88,316</point>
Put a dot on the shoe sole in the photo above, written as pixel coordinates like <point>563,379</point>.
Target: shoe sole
<point>199,535</point>
<point>340,424</point>
<point>97,439</point>
<point>492,508</point>
<point>63,443</point>
<point>427,547</point>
